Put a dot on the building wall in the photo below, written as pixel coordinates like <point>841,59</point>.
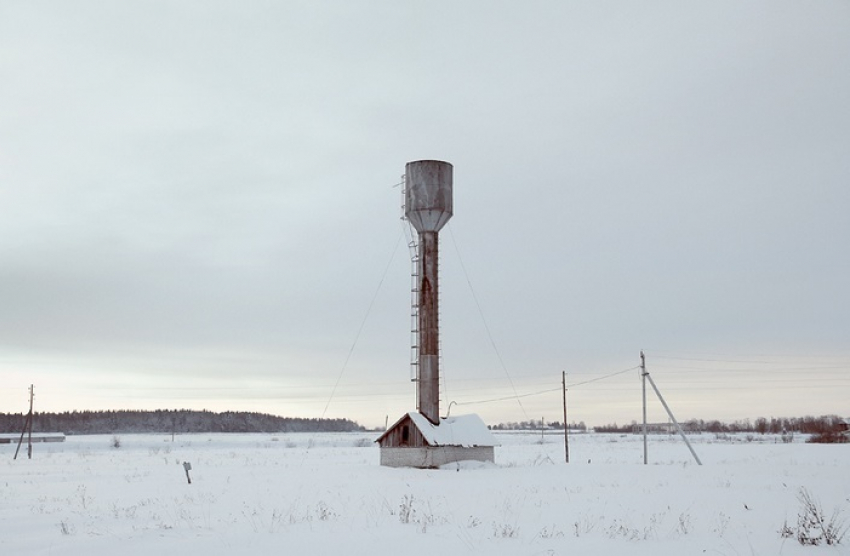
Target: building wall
<point>395,436</point>
<point>434,456</point>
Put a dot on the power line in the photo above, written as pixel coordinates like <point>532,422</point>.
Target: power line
<point>505,398</point>
<point>756,359</point>
<point>759,371</point>
<point>603,377</point>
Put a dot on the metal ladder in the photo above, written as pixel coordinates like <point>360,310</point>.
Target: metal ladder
<point>413,246</point>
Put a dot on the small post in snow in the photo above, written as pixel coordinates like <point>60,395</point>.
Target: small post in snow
<point>187,467</point>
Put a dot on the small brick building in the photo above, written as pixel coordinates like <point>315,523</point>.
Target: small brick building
<point>414,441</point>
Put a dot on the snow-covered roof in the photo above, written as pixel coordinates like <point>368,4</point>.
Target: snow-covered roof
<point>463,430</point>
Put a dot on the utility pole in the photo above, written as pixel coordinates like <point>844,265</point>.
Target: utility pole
<point>27,427</point>
<point>645,376</point>
<point>566,427</point>
<point>672,418</point>
<point>643,387</point>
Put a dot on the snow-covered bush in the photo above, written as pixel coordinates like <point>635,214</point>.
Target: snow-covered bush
<point>813,527</point>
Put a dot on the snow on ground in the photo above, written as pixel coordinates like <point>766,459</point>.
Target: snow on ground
<point>326,494</point>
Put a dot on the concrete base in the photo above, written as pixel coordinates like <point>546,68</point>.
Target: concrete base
<point>434,456</point>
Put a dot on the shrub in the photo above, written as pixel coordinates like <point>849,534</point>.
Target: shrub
<point>813,527</point>
<point>829,437</point>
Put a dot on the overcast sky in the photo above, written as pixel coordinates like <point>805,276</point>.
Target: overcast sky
<point>199,205</point>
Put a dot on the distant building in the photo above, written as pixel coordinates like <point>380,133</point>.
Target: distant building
<point>36,437</point>
<point>413,441</point>
<point>662,428</point>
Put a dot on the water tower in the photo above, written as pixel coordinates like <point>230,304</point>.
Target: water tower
<point>422,438</point>
<point>428,206</point>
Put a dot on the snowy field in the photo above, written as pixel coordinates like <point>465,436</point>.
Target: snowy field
<point>326,494</point>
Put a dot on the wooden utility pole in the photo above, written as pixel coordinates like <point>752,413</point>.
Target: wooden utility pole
<point>27,427</point>
<point>566,426</point>
<point>643,386</point>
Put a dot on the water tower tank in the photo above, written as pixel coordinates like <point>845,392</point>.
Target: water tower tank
<point>428,197</point>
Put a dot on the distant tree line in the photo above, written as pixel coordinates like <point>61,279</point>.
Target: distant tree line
<point>168,421</point>
<point>537,425</point>
<point>804,425</point>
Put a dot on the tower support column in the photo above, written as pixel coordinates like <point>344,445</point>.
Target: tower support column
<point>429,327</point>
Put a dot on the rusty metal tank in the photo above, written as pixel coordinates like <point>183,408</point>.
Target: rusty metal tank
<point>428,194</point>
